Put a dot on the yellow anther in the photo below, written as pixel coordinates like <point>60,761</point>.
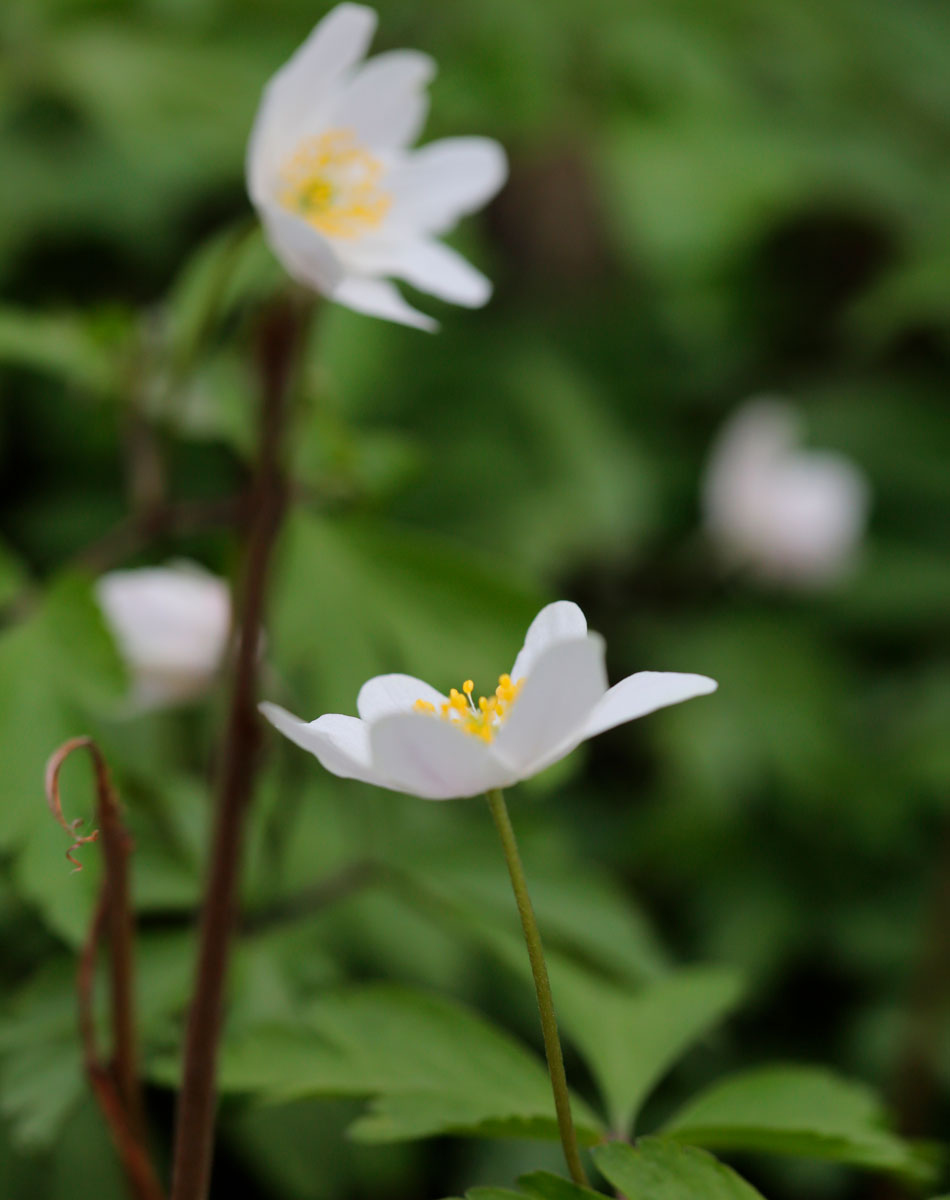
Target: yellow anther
<point>333,184</point>
<point>482,720</point>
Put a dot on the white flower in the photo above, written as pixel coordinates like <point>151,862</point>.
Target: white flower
<point>171,625</point>
<point>411,738</point>
<point>343,200</point>
<point>789,515</point>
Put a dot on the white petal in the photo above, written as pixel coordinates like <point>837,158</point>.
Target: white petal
<point>387,694</point>
<point>439,270</point>
<point>385,103</point>
<point>790,515</point>
<point>445,180</point>
<point>340,743</point>
<point>556,622</point>
<point>304,252</point>
<point>565,683</point>
<point>293,99</point>
<point>431,758</point>
<point>380,298</point>
<point>817,512</point>
<point>644,693</point>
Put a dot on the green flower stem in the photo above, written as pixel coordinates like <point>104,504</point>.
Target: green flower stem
<point>542,986</point>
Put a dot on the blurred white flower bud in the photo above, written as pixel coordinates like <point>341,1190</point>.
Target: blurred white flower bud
<point>789,515</point>
<point>171,625</point>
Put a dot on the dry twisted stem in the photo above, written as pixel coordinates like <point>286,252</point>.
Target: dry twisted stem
<point>114,1084</point>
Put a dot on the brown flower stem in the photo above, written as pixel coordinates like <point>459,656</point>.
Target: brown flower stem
<point>352,878</point>
<point>169,520</point>
<point>915,1078</point>
<point>282,333</point>
<point>116,1086</point>
<point>542,987</point>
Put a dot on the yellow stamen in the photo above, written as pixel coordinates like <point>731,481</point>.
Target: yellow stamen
<point>481,720</point>
<point>332,182</point>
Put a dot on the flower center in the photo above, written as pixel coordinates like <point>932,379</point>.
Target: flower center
<point>333,183</point>
<point>481,720</point>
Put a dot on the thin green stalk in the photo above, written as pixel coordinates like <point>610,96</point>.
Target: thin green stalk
<point>542,986</point>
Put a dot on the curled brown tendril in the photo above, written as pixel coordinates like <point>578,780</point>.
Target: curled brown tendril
<point>53,767</point>
<point>115,1083</point>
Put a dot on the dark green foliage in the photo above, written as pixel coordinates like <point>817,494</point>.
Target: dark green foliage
<point>708,201</point>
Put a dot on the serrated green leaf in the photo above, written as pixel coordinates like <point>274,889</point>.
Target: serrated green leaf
<point>430,1066</point>
<point>657,1168</point>
<point>803,1111</point>
<point>630,1036</point>
<point>631,1039</point>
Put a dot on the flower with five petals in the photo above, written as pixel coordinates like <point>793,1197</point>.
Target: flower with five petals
<point>411,738</point>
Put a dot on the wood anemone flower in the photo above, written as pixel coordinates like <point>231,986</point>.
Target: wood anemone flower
<point>411,738</point>
<point>788,514</point>
<point>345,203</point>
<point>171,625</point>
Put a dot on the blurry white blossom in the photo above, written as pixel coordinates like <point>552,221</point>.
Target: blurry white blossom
<point>343,200</point>
<point>790,515</point>
<point>171,625</point>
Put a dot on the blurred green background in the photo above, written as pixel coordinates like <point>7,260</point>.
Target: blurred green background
<point>707,201</point>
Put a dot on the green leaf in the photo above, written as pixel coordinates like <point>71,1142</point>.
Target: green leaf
<point>581,911</point>
<point>64,345</point>
<point>630,1037</point>
<point>41,1073</point>
<point>12,575</point>
<point>539,1185</point>
<point>660,1169</point>
<point>231,268</point>
<point>547,1186</point>
<point>357,598</point>
<point>493,1193</point>
<point>430,1066</point>
<point>33,722</point>
<point>85,659</point>
<point>59,666</point>
<point>796,1110</point>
